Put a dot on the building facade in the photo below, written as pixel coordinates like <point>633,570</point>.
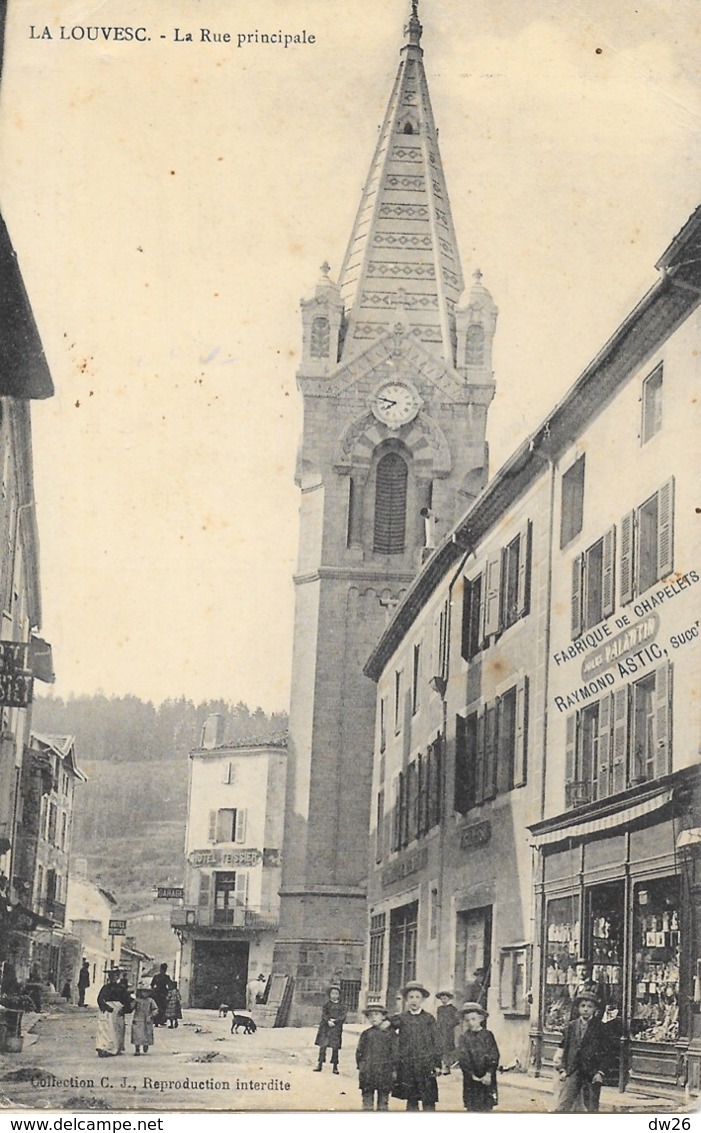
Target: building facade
<point>536,771</point>
<point>89,910</point>
<point>396,379</point>
<point>231,909</point>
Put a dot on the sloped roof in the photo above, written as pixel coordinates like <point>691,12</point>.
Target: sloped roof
<point>24,372</point>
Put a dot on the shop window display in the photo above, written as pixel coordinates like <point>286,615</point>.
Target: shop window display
<point>656,961</point>
<point>606,946</point>
<point>561,958</point>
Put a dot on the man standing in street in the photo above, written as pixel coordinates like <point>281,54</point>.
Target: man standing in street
<point>83,983</point>
<point>161,985</point>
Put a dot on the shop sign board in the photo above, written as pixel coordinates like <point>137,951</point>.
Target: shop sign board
<point>16,681</point>
<point>218,857</point>
<point>170,892</point>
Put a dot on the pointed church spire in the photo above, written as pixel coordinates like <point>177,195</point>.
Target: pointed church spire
<point>402,261</point>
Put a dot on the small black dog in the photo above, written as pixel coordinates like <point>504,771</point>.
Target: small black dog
<point>243,1019</point>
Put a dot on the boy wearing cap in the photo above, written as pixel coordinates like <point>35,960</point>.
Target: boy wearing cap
<point>330,1032</point>
<point>447,1019</point>
<point>582,1060</point>
<point>375,1058</point>
<point>418,1051</point>
<point>478,1056</point>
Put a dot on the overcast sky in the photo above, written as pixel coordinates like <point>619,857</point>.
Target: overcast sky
<point>172,202</point>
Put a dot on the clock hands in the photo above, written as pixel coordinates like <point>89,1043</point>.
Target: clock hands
<point>387,400</point>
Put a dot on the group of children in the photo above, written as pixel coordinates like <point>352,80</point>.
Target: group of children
<point>146,1013</point>
<point>404,1054</point>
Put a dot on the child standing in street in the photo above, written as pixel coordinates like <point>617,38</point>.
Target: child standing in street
<point>478,1056</point>
<point>418,1051</point>
<point>375,1058</point>
<point>330,1032</point>
<point>174,1010</point>
<point>145,1011</point>
<point>447,1018</point>
<point>582,1059</point>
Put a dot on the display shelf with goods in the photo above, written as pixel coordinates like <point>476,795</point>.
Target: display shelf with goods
<point>562,953</point>
<point>657,944</point>
<point>605,947</point>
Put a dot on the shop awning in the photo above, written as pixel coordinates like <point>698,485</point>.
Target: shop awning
<point>614,820</point>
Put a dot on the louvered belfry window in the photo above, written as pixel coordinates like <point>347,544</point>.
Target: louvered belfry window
<point>390,505</point>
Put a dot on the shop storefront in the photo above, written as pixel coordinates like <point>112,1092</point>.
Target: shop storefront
<point>616,906</point>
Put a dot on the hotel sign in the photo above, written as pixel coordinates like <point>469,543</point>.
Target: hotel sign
<point>117,928</point>
<point>219,857</point>
<point>16,681</point>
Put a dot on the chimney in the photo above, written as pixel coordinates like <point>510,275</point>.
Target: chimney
<point>213,731</point>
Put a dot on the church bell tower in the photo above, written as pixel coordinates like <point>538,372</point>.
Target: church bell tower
<point>396,380</point>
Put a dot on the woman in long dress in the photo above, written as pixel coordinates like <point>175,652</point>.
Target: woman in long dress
<point>114,1002</point>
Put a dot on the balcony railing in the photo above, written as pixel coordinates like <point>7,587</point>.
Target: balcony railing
<point>251,918</point>
<point>578,793</point>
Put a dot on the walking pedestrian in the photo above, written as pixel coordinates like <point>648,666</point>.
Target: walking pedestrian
<point>83,983</point>
<point>418,1051</point>
<point>255,990</point>
<point>160,986</point>
<point>174,1011</point>
<point>478,1057</point>
<point>583,1058</point>
<point>375,1058</point>
<point>447,1019</point>
<point>330,1032</point>
<point>145,1011</point>
<point>114,1002</point>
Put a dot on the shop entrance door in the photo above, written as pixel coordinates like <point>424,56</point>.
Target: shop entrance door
<point>473,954</point>
<point>403,924</point>
<point>220,973</point>
<point>604,930</point>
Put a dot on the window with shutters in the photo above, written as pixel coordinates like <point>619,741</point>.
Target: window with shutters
<point>471,613</point>
<point>620,741</point>
<point>383,723</point>
<point>593,597</point>
<point>506,587</point>
<point>647,543</point>
<point>441,642</point>
<point>380,827</point>
<point>228,825</point>
<point>397,701</point>
<point>652,405</point>
<point>376,967</point>
<point>465,788</point>
<point>491,749</point>
<point>572,505</point>
<point>390,505</point>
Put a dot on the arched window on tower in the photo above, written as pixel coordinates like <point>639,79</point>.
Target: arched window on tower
<point>475,345</point>
<point>390,505</point>
<point>321,333</point>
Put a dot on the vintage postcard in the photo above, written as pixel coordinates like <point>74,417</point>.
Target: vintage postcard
<point>349,556</point>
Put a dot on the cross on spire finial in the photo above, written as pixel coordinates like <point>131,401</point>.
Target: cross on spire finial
<point>413,29</point>
<point>415,8</point>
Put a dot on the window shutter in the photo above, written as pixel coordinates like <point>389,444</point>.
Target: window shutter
<point>665,529</point>
<point>466,618</point>
<point>460,794</point>
<point>604,786</point>
<point>490,751</point>
<point>212,835</point>
<point>663,719</point>
<point>438,775</point>
<point>503,754</point>
<point>241,889</point>
<point>627,552</point>
<point>479,760</point>
<point>396,814</point>
<point>240,828</point>
<point>620,740</point>
<point>577,572</point>
<point>390,505</point>
<point>524,570</point>
<point>492,596</point>
<point>607,573</point>
<point>204,890</point>
<point>380,827</point>
<point>521,741</point>
<point>571,748</point>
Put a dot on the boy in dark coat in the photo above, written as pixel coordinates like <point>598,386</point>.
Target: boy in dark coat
<point>478,1055</point>
<point>375,1058</point>
<point>447,1018</point>
<point>330,1032</point>
<point>418,1051</point>
<point>582,1060</point>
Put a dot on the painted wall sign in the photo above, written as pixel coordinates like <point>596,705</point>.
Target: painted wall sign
<point>621,646</point>
<point>405,867</point>
<point>476,834</point>
<point>231,858</point>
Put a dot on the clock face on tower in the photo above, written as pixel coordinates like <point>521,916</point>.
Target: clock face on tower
<point>395,403</point>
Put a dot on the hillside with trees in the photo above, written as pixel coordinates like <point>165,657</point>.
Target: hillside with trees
<point>129,818</point>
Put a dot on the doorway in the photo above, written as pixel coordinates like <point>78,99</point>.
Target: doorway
<point>220,973</point>
<point>403,923</point>
<point>473,953</point>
